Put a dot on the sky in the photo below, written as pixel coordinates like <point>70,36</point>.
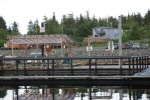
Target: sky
<point>22,11</point>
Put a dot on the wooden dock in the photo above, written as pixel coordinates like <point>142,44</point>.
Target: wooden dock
<point>93,74</point>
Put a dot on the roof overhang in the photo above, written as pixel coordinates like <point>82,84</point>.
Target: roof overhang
<point>41,39</point>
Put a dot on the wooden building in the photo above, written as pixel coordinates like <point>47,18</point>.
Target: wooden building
<point>36,41</point>
<point>46,40</point>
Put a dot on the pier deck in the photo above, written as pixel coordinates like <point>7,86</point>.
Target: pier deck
<point>91,74</point>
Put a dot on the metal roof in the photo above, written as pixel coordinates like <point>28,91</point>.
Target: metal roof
<point>41,39</point>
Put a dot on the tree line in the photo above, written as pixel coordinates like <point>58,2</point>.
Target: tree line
<point>134,26</point>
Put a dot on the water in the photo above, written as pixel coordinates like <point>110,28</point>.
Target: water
<point>73,93</point>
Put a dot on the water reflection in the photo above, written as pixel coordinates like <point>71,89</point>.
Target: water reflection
<point>72,93</point>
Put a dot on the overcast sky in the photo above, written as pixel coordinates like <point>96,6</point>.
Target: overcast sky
<point>22,11</point>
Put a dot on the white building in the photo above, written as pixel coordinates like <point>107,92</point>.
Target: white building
<point>110,32</point>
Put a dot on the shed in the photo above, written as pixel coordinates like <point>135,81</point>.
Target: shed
<point>42,40</point>
<point>61,40</point>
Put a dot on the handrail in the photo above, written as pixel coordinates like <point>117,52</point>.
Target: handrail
<point>82,57</point>
<point>135,63</point>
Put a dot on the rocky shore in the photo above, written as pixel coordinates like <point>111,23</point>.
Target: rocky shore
<point>79,52</point>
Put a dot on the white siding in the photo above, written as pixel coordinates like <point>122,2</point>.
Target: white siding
<point>112,32</point>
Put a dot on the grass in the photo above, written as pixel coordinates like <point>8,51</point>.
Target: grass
<point>101,44</point>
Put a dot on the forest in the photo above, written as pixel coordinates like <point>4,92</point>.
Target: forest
<point>135,26</point>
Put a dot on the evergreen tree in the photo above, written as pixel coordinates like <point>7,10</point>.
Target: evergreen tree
<point>52,26</point>
<point>87,15</point>
<point>2,23</point>
<point>9,30</point>
<point>139,19</point>
<point>102,22</point>
<point>92,23</point>
<point>3,34</point>
<point>15,28</point>
<point>3,31</point>
<point>30,28</point>
<point>80,29</point>
<point>134,33</point>
<point>112,22</point>
<point>68,24</point>
<point>36,27</point>
<point>45,18</point>
<point>147,18</point>
<point>33,28</point>
<point>125,25</point>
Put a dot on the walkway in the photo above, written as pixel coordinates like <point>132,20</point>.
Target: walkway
<point>145,73</point>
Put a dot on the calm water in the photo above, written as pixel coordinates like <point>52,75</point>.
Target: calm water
<point>73,93</point>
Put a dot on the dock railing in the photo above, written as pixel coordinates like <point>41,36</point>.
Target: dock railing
<point>91,65</point>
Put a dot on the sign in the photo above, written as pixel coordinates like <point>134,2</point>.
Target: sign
<point>48,49</point>
<point>89,48</point>
<point>42,29</point>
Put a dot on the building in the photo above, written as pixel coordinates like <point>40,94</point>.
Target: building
<point>38,40</point>
<point>105,32</point>
<point>46,42</point>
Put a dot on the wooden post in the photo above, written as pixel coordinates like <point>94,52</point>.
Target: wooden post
<point>95,67</point>
<point>71,67</point>
<point>133,69</point>
<point>12,47</point>
<point>129,66</point>
<point>137,68</point>
<point>17,67</point>
<point>48,71</point>
<point>25,71</point>
<point>90,67</point>
<point>53,67</point>
<point>89,51</point>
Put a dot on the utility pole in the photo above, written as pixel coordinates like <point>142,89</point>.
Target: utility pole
<point>142,28</point>
<point>120,35</point>
<point>89,51</point>
<point>42,30</point>
<point>120,49</point>
<point>62,41</point>
<point>12,47</point>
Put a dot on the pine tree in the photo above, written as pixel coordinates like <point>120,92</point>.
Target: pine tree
<point>30,28</point>
<point>2,23</point>
<point>15,28</point>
